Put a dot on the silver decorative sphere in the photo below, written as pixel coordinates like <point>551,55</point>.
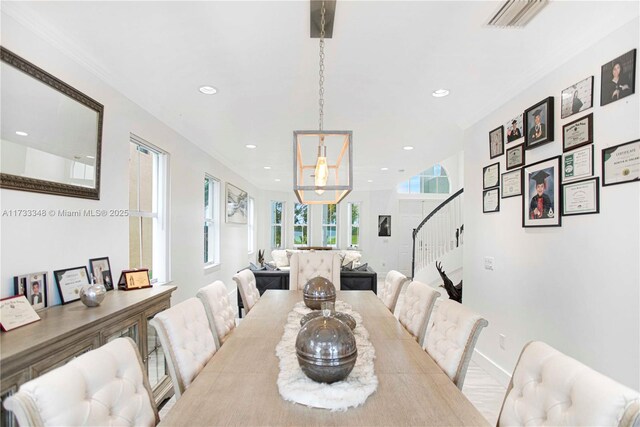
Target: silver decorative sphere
<point>93,295</point>
<point>343,317</point>
<point>317,291</point>
<point>326,349</point>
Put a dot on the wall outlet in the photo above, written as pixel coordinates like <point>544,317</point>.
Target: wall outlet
<point>489,262</point>
<point>503,338</point>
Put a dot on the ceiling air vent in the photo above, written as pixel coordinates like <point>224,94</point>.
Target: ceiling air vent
<point>516,13</point>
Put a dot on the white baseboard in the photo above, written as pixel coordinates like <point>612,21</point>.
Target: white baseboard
<point>496,372</point>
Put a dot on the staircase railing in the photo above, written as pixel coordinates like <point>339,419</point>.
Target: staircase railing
<point>440,232</point>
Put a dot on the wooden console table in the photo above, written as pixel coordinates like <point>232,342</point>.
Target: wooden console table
<point>66,331</point>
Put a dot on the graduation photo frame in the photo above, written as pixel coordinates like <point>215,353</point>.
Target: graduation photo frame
<point>576,98</point>
<point>538,124</point>
<point>618,78</point>
<point>541,201</point>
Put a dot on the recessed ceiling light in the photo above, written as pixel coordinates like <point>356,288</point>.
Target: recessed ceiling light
<point>400,170</point>
<point>369,180</point>
<point>208,90</point>
<point>277,179</point>
<point>90,157</point>
<point>384,169</point>
<point>267,167</point>
<point>20,133</point>
<point>440,93</point>
<point>250,146</point>
<point>408,147</point>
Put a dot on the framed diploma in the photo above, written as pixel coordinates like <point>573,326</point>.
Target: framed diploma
<point>515,156</point>
<point>491,176</point>
<point>621,163</point>
<point>496,142</point>
<point>577,164</point>
<point>512,184</point>
<point>16,311</point>
<point>34,287</point>
<point>134,279</point>
<point>541,194</point>
<point>577,133</point>
<point>491,200</point>
<point>581,197</point>
<point>70,281</point>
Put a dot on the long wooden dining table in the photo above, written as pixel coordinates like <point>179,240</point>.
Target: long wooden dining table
<point>238,385</point>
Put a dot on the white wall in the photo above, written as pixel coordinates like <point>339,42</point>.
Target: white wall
<point>51,243</point>
<point>575,287</point>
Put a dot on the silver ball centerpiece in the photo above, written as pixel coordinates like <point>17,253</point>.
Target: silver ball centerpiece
<point>344,317</point>
<point>93,295</point>
<point>318,290</point>
<point>326,349</point>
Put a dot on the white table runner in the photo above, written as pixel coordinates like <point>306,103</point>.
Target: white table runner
<point>295,386</point>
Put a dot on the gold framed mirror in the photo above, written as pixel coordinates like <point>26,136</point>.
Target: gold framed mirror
<point>51,133</point>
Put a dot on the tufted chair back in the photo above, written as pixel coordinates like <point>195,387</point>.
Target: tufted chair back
<point>416,309</point>
<point>549,388</point>
<point>220,313</point>
<point>246,282</point>
<point>452,337</point>
<point>307,265</point>
<point>187,340</point>
<point>103,387</point>
<point>390,291</point>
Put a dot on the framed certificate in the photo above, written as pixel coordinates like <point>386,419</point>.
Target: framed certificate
<point>491,176</point>
<point>491,200</point>
<point>70,281</point>
<point>134,279</point>
<point>621,163</point>
<point>577,133</point>
<point>515,156</point>
<point>541,194</point>
<point>16,311</point>
<point>577,164</point>
<point>496,142</point>
<point>512,184</point>
<point>581,197</point>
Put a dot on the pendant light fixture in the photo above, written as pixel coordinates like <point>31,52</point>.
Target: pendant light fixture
<point>323,161</point>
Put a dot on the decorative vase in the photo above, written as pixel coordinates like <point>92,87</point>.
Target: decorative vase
<point>326,349</point>
<point>318,290</point>
<point>92,295</point>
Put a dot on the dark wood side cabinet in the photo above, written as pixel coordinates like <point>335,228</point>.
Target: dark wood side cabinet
<point>67,331</point>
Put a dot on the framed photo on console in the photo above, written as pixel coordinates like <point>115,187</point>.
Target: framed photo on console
<point>578,97</point>
<point>538,124</point>
<point>70,281</point>
<point>541,194</point>
<point>101,272</point>
<point>496,142</point>
<point>618,78</point>
<point>34,287</point>
<point>621,163</point>
<point>577,133</point>
<point>512,184</point>
<point>491,176</point>
<point>491,200</point>
<point>577,164</point>
<point>134,279</point>
<point>581,197</point>
<point>515,156</point>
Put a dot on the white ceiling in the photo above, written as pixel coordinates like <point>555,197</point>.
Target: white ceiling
<point>381,66</point>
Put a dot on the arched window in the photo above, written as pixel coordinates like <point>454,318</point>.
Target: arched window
<point>431,181</point>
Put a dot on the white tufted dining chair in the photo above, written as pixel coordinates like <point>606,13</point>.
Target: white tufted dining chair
<point>187,341</point>
<point>103,387</point>
<point>549,388</point>
<point>307,265</point>
<point>416,309</point>
<point>451,338</point>
<point>390,290</point>
<point>220,313</point>
<point>246,282</point>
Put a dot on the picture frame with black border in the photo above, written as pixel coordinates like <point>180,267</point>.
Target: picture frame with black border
<point>581,197</point>
<point>577,133</point>
<point>541,187</point>
<point>491,200</point>
<point>618,78</point>
<point>69,282</point>
<point>513,129</point>
<point>515,156</point>
<point>577,164</point>
<point>576,98</point>
<point>511,183</point>
<point>621,166</point>
<point>496,142</point>
<point>35,287</point>
<point>491,176</point>
<point>384,225</point>
<point>100,269</point>
<point>539,132</point>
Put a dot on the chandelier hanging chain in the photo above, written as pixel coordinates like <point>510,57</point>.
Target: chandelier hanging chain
<point>321,91</point>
